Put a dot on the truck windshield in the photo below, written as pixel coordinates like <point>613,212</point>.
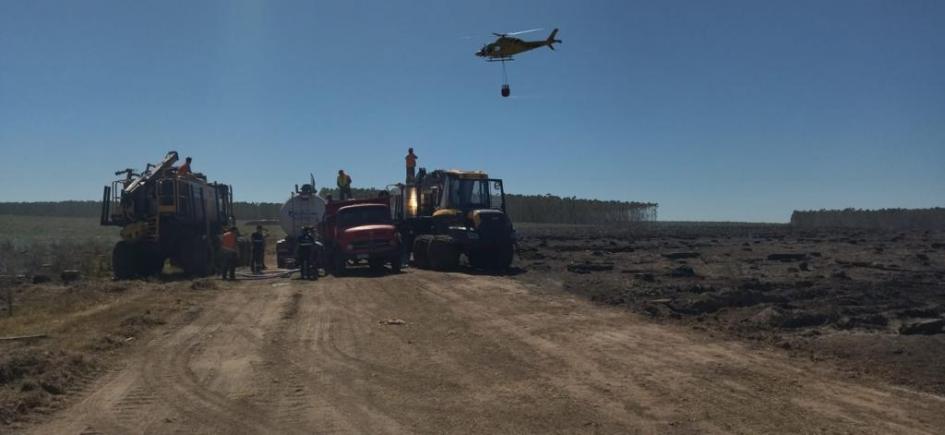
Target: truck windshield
<point>357,216</point>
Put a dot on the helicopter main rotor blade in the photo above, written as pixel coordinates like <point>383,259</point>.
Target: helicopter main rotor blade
<point>524,31</point>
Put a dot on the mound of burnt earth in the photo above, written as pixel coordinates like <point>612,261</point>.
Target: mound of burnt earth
<point>822,295</point>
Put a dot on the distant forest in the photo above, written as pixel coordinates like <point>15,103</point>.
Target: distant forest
<point>521,208</point>
<point>887,218</point>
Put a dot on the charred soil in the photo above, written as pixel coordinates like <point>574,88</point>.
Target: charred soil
<point>872,302</point>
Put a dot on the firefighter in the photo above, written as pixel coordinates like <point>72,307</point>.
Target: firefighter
<point>411,159</point>
<point>344,185</point>
<point>230,253</point>
<point>259,249</point>
<point>185,168</point>
<point>307,251</point>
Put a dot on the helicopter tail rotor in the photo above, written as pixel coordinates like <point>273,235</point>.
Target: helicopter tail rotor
<point>551,41</point>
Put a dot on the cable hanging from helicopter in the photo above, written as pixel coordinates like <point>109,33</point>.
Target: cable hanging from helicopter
<point>506,90</point>
<point>506,46</point>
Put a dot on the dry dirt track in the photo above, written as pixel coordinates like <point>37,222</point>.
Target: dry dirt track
<point>477,354</point>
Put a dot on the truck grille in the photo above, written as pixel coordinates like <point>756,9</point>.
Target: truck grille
<point>370,244</point>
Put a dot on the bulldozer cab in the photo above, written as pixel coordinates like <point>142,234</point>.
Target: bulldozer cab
<point>471,193</point>
<point>438,191</point>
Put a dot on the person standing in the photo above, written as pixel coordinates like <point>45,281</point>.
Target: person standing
<point>185,168</point>
<point>230,253</point>
<point>411,159</point>
<point>344,185</point>
<point>259,249</point>
<point>305,247</point>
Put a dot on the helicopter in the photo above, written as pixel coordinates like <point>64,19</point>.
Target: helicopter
<point>506,46</point>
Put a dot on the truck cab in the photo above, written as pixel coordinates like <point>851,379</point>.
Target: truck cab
<point>360,230</point>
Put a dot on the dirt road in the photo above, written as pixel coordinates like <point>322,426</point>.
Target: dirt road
<point>474,354</point>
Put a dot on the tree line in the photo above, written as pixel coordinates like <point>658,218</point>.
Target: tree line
<point>521,208</point>
<point>887,218</point>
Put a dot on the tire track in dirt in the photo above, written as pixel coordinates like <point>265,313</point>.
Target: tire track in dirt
<point>722,381</point>
<point>343,382</point>
<point>158,391</point>
<point>168,373</point>
<point>297,405</point>
<point>476,354</point>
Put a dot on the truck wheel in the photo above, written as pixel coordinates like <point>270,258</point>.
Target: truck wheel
<point>338,265</point>
<point>376,265</point>
<point>196,258</point>
<point>151,262</point>
<point>420,246</point>
<point>443,253</point>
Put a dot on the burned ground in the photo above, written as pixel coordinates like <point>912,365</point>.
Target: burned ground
<point>871,301</point>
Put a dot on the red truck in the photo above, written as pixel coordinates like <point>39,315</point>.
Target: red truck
<point>360,230</point>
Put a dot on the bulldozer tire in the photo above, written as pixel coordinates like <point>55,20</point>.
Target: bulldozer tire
<point>122,261</point>
<point>420,246</point>
<point>502,258</point>
<point>443,253</point>
<point>477,259</point>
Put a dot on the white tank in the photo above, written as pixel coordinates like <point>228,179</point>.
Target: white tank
<point>300,211</point>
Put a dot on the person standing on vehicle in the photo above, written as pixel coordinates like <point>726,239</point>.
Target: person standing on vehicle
<point>306,254</point>
<point>230,253</point>
<point>259,249</point>
<point>185,168</point>
<point>411,159</point>
<point>344,185</point>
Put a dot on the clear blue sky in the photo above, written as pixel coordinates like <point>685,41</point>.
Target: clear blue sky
<point>719,110</point>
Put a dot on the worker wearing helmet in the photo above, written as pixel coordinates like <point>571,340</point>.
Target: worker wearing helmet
<point>230,252</point>
<point>344,185</point>
<point>185,168</point>
<point>411,160</point>
<point>306,254</point>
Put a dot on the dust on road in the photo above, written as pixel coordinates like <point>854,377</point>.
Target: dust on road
<point>475,354</point>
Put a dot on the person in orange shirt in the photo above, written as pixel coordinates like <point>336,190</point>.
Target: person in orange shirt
<point>185,168</point>
<point>230,252</point>
<point>411,159</point>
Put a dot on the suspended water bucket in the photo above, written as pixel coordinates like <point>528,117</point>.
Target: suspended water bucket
<point>506,91</point>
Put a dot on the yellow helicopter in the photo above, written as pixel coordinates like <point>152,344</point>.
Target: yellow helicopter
<point>506,46</point>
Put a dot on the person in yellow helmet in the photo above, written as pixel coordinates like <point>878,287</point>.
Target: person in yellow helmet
<point>344,185</point>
